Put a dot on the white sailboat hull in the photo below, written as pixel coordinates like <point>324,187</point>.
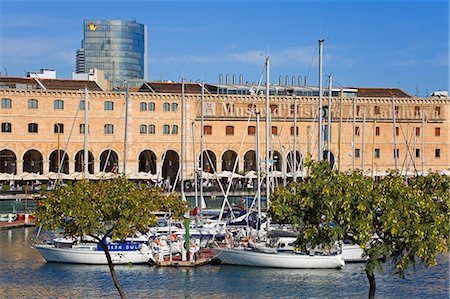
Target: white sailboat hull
<point>244,257</point>
<point>353,253</point>
<point>90,255</point>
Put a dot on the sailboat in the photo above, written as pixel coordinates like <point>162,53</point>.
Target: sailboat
<point>259,254</point>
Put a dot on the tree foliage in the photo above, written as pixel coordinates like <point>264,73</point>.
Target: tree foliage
<point>116,209</point>
<point>392,221</point>
<point>91,208</point>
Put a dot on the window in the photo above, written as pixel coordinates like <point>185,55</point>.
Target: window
<point>166,129</point>
<point>143,106</point>
<point>377,131</point>
<point>437,131</point>
<point>82,127</point>
<point>33,104</point>
<point>377,153</point>
<point>397,109</point>
<point>273,108</point>
<point>292,131</point>
<point>58,104</point>
<point>174,129</point>
<point>417,153</point>
<point>6,103</point>
<point>108,105</point>
<point>151,106</point>
<point>437,153</point>
<point>174,106</point>
<point>396,153</point>
<point>417,111</point>
<point>357,152</point>
<point>358,109</point>
<point>377,110</point>
<point>166,106</point>
<point>397,131</point>
<point>143,129</point>
<point>109,129</point>
<point>6,128</point>
<point>437,111</point>
<point>274,130</point>
<point>58,128</point>
<point>251,130</point>
<point>151,129</point>
<point>251,108</point>
<point>32,128</point>
<point>82,105</point>
<point>417,131</point>
<point>207,130</point>
<point>229,130</point>
<point>357,131</point>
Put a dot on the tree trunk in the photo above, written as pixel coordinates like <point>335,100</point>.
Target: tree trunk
<point>113,272</point>
<point>372,283</point>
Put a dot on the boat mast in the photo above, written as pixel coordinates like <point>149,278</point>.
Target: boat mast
<point>363,141</point>
<point>195,166</point>
<point>201,141</point>
<point>183,197</point>
<point>320,141</point>
<point>86,136</point>
<point>126,131</point>
<point>182,142</point>
<point>340,130</point>
<point>330,87</point>
<point>294,162</point>
<point>415,149</point>
<point>423,142</point>
<point>374,132</point>
<point>395,135</point>
<point>267,136</point>
<point>258,173</point>
<point>353,134</point>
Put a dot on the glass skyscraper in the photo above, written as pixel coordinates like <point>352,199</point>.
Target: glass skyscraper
<point>118,47</point>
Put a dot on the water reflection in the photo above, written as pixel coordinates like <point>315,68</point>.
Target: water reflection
<point>25,274</point>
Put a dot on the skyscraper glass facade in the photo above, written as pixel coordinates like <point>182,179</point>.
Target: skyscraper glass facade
<point>118,47</point>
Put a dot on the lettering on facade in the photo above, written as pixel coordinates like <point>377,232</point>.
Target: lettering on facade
<point>209,109</point>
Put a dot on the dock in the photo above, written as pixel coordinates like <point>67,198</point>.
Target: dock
<point>204,257</point>
<point>15,224</point>
<point>179,263</point>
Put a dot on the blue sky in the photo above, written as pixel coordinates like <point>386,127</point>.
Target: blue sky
<point>367,43</point>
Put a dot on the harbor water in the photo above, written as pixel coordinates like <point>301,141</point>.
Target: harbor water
<point>25,274</point>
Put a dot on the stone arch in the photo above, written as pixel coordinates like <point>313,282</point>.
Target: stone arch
<point>209,161</point>
<point>33,161</point>
<point>79,161</point>
<point>228,160</point>
<point>250,161</point>
<point>109,161</point>
<point>147,161</point>
<point>8,161</point>
<point>54,161</point>
<point>278,164</point>
<point>171,165</point>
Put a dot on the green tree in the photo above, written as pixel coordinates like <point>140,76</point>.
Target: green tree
<point>392,222</point>
<point>116,209</point>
